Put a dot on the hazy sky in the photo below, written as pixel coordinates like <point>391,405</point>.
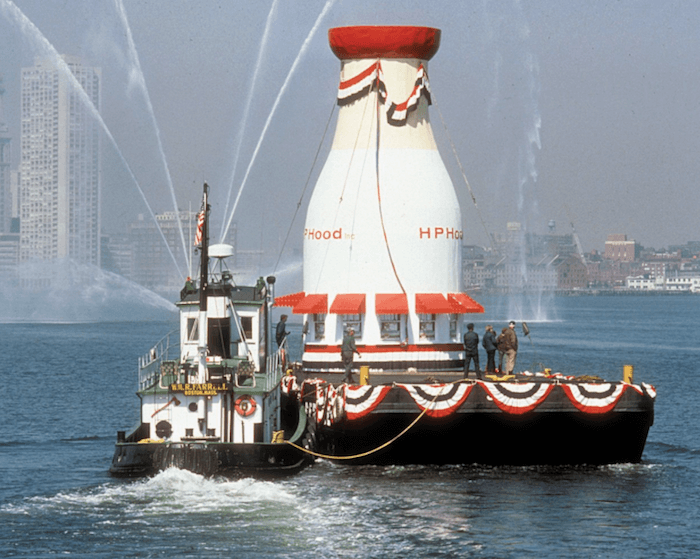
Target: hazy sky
<point>583,111</point>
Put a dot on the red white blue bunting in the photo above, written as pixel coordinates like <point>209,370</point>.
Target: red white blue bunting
<point>517,398</point>
<point>361,400</point>
<point>371,79</point>
<point>438,400</point>
<point>397,114</point>
<point>289,385</point>
<point>596,398</point>
<point>650,390</point>
<point>329,404</point>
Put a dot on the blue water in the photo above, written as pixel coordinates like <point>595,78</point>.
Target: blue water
<point>69,387</point>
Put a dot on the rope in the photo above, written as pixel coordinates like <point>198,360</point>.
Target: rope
<point>379,197</point>
<point>380,447</point>
<point>308,178</point>
<point>464,176</point>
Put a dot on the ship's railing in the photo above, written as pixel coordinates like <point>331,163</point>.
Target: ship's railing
<point>276,364</point>
<point>150,364</point>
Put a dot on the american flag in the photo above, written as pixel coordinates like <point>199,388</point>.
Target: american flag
<point>200,229</point>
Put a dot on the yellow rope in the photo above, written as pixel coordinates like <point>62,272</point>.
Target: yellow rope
<point>380,447</point>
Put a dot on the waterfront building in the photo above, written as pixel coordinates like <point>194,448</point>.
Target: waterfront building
<point>59,164</point>
<point>619,248</point>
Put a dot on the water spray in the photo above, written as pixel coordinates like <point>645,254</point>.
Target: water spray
<point>141,80</point>
<point>283,89</point>
<point>246,109</point>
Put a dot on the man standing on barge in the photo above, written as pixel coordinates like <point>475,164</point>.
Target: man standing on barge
<point>511,347</point>
<point>347,352</point>
<point>471,350</point>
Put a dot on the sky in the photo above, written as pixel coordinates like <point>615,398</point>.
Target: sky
<point>585,113</point>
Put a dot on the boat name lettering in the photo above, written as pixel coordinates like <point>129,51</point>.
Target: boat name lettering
<point>327,234</point>
<point>207,389</point>
<point>437,232</point>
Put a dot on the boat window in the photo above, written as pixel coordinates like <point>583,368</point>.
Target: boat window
<point>390,326</point>
<point>192,329</point>
<point>247,327</point>
<point>426,326</point>
<point>353,321</point>
<point>219,338</point>
<point>320,326</point>
<point>454,334</point>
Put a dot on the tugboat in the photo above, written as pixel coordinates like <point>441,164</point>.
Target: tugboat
<point>213,403</point>
<point>382,257</point>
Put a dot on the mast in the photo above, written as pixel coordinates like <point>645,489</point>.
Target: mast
<point>203,287</point>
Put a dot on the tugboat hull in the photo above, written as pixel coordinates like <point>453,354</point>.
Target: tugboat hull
<point>208,459</point>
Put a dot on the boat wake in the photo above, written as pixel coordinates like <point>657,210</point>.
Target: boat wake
<point>172,491</point>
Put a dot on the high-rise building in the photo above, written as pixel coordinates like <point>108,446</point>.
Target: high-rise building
<point>5,172</point>
<point>60,163</point>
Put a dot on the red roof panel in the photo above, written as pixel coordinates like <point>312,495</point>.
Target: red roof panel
<point>289,300</point>
<point>391,303</point>
<point>316,303</point>
<point>432,303</point>
<point>348,303</point>
<point>462,303</point>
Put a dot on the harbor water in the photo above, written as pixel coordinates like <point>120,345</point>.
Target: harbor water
<point>69,387</point>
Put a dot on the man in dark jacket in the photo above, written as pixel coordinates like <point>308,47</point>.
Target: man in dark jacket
<point>471,350</point>
<point>490,345</point>
<point>347,352</point>
<point>281,332</point>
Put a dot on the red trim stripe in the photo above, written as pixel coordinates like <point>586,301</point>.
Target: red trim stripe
<point>359,77</point>
<point>393,348</point>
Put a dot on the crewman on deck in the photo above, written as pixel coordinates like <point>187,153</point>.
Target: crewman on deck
<point>511,346</point>
<point>347,352</point>
<point>471,350</point>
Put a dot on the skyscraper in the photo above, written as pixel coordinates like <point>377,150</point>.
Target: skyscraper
<point>5,172</point>
<point>60,164</point>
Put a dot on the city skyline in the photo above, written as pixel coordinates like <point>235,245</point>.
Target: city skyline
<point>552,109</point>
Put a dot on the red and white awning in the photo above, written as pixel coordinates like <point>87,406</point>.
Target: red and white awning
<point>384,303</point>
<point>391,303</point>
<point>432,303</point>
<point>349,303</point>
<point>316,303</point>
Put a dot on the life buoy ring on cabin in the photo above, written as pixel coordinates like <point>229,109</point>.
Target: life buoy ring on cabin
<point>245,406</point>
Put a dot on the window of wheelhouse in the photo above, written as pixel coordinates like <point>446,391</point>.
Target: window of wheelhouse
<point>426,326</point>
<point>219,337</point>
<point>390,326</point>
<point>354,322</point>
<point>192,329</point>
<point>247,327</point>
<point>319,326</point>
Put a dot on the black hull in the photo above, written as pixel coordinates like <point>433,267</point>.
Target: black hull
<point>548,438</point>
<point>208,459</point>
<point>479,432</point>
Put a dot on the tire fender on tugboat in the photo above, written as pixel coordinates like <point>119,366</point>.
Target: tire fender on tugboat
<point>245,406</point>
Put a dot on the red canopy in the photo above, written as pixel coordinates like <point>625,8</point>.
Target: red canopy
<point>391,303</point>
<point>348,303</point>
<point>316,303</point>
<point>432,303</point>
<point>462,303</point>
<point>289,300</point>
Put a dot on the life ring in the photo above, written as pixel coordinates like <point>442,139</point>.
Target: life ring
<point>245,406</point>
